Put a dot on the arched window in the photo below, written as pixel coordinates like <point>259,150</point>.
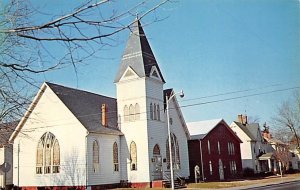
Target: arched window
<point>95,156</point>
<point>158,112</point>
<point>156,150</point>
<point>137,111</point>
<point>56,157</point>
<point>126,114</point>
<point>208,146</point>
<point>39,156</point>
<point>175,152</point>
<point>154,109</point>
<point>151,111</point>
<point>131,113</point>
<point>233,152</point>
<point>133,156</point>
<point>115,157</point>
<point>48,154</point>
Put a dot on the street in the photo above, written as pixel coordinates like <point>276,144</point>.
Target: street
<point>294,185</point>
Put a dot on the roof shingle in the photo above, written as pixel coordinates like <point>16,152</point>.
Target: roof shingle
<point>86,107</point>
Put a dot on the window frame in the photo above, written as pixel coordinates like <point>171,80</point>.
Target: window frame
<point>96,156</point>
<point>47,150</point>
<point>115,157</point>
<point>133,156</point>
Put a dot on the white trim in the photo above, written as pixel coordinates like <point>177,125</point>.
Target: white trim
<point>154,69</point>
<point>133,76</point>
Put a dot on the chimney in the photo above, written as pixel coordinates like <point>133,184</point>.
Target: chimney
<point>240,118</point>
<point>104,115</point>
<point>245,119</point>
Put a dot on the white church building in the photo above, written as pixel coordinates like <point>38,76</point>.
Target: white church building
<point>79,139</point>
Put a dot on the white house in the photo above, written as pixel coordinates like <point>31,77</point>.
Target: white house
<point>6,154</point>
<point>256,153</point>
<point>73,138</point>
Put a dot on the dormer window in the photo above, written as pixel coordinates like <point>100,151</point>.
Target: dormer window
<point>155,74</point>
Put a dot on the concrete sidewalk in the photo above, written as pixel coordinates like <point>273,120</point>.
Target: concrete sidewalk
<point>260,183</point>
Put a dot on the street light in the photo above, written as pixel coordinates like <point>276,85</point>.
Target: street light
<point>181,94</point>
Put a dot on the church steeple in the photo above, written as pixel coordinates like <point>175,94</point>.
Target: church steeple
<point>138,55</point>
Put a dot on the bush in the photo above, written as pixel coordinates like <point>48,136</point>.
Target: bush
<point>248,172</point>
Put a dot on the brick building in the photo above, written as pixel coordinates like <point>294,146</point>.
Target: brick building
<point>215,149</point>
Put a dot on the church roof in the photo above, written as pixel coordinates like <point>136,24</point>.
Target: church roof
<point>86,107</point>
<point>6,130</point>
<point>138,54</point>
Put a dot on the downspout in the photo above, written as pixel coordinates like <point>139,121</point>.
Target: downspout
<point>202,170</point>
<point>86,161</point>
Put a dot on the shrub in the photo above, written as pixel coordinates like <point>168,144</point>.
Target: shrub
<point>248,172</point>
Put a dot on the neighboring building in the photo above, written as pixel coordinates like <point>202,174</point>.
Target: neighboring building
<point>256,153</point>
<point>281,152</point>
<point>215,148</point>
<point>6,154</point>
<point>295,152</point>
<point>295,160</point>
<point>73,138</point>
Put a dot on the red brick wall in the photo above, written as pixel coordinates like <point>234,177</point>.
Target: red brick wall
<point>223,134</point>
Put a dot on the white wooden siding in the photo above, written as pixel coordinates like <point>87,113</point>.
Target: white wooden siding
<point>51,115</point>
<point>106,173</point>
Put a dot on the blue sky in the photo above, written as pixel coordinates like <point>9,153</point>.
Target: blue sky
<point>208,47</point>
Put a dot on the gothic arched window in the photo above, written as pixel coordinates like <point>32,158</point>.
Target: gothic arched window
<point>156,150</point>
<point>48,154</point>
<point>137,111</point>
<point>158,112</point>
<point>115,157</point>
<point>95,156</point>
<point>56,157</point>
<point>131,113</point>
<point>133,156</point>
<point>155,114</point>
<point>151,111</point>
<point>175,152</point>
<point>126,114</point>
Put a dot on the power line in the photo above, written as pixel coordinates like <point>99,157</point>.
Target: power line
<point>230,92</point>
<point>183,106</point>
<point>238,97</point>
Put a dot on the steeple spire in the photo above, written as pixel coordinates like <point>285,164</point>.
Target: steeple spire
<point>138,54</point>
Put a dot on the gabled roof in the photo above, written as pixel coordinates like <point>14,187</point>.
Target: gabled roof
<point>167,92</point>
<point>138,54</point>
<point>248,130</point>
<point>200,129</point>
<point>86,107</point>
<point>274,141</point>
<point>6,130</point>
